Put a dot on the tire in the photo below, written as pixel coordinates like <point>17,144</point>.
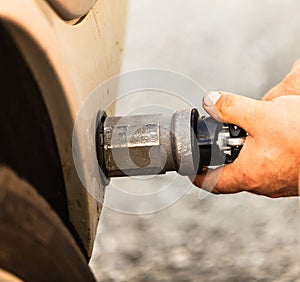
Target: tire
<point>34,243</point>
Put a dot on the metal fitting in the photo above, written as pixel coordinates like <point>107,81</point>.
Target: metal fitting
<point>155,144</point>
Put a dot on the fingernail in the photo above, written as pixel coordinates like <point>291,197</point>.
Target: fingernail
<point>211,98</point>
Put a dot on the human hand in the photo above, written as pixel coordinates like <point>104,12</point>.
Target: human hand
<point>269,161</point>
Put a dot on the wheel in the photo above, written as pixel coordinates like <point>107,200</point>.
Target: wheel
<point>34,243</point>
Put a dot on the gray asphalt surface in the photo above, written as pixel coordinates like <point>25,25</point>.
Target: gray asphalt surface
<point>238,46</point>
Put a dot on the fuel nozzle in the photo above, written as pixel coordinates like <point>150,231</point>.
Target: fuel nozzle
<point>156,144</point>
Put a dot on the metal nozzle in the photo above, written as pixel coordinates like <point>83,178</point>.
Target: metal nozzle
<point>155,144</point>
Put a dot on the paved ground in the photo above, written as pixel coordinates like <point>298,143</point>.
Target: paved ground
<point>239,46</point>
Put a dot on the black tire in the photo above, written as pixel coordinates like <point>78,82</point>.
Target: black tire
<point>34,244</point>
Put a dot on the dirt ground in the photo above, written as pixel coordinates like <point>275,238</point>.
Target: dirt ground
<point>219,238</point>
<point>240,46</point>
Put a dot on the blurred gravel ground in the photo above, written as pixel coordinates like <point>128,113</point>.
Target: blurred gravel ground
<point>239,46</point>
<point>219,238</point>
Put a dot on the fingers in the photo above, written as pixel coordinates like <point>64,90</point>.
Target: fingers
<point>222,180</point>
<point>290,85</point>
<point>296,67</point>
<point>232,108</point>
<point>276,91</point>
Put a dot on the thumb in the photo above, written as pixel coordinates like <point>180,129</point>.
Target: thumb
<point>236,109</point>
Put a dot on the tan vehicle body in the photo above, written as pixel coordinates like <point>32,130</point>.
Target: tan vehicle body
<point>68,60</point>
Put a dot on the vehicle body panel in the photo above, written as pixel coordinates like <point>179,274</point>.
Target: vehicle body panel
<point>72,9</point>
<point>68,62</point>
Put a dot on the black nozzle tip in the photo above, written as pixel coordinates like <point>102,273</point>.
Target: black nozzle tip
<point>99,138</point>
